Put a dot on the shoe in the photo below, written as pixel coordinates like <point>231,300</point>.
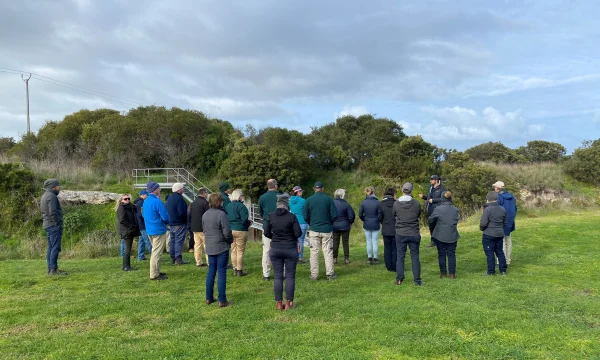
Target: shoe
<point>488,274</point>
<point>503,273</point>
<point>376,261</point>
<point>160,277</point>
<point>201,265</point>
<point>224,304</point>
<point>142,258</point>
<point>279,305</point>
<point>452,276</point>
<point>191,250</point>
<point>418,282</point>
<point>129,268</point>
<point>229,267</point>
<point>302,260</point>
<point>266,278</point>
<point>335,260</point>
<point>180,262</point>
<point>208,302</point>
<point>163,274</point>
<point>346,261</point>
<point>289,305</point>
<point>331,277</point>
<point>240,273</point>
<point>370,261</point>
<point>313,278</point>
<point>431,244</point>
<point>398,282</point>
<point>442,275</point>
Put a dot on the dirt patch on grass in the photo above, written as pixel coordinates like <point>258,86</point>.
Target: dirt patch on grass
<point>18,330</point>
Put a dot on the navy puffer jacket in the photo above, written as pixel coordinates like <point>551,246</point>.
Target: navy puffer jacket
<point>370,213</point>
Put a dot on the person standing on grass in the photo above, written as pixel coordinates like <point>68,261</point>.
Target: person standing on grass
<point>342,225</point>
<point>225,190</point>
<point>492,223</point>
<point>370,213</point>
<point>128,227</point>
<point>509,203</point>
<point>237,214</point>
<point>143,240</point>
<point>444,221</point>
<point>177,208</point>
<point>407,212</point>
<point>189,229</point>
<point>388,229</point>
<point>156,219</point>
<point>267,203</point>
<point>320,213</point>
<point>197,209</point>
<point>52,221</point>
<point>297,208</point>
<point>433,199</point>
<point>217,239</point>
<point>283,228</point>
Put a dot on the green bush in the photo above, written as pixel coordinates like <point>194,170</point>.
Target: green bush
<point>494,152</point>
<point>584,165</point>
<point>541,151</point>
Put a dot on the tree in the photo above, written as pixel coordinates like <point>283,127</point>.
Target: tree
<point>584,165</point>
<point>6,144</point>
<point>494,152</point>
<point>540,150</point>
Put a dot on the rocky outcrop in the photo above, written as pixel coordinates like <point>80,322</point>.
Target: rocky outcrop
<point>541,197</point>
<point>87,197</point>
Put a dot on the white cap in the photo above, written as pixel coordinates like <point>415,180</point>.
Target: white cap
<point>499,184</point>
<point>177,186</point>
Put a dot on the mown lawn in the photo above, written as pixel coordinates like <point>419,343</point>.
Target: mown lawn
<point>547,307</point>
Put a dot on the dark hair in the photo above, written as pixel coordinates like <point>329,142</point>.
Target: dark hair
<point>215,200</point>
<point>202,191</point>
<point>390,191</point>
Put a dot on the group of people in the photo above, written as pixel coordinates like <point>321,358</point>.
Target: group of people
<point>220,222</point>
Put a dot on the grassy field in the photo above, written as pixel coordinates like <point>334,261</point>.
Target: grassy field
<point>547,307</point>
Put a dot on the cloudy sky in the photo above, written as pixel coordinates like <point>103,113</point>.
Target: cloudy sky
<point>457,72</point>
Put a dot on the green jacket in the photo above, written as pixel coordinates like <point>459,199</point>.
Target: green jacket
<point>320,212</point>
<point>237,213</point>
<point>267,203</point>
<point>226,200</point>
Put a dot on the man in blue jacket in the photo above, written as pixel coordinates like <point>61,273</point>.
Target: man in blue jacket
<point>156,219</point>
<point>177,209</point>
<point>509,203</point>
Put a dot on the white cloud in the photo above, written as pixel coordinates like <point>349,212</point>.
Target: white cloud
<point>506,84</point>
<point>353,111</point>
<point>235,109</point>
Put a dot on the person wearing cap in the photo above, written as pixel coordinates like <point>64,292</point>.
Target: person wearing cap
<point>433,199</point>
<point>388,229</point>
<point>342,225</point>
<point>143,240</point>
<point>128,227</point>
<point>52,221</point>
<point>267,203</point>
<point>297,203</point>
<point>370,213</point>
<point>197,209</point>
<point>445,234</point>
<point>283,228</point>
<point>407,212</point>
<point>509,203</point>
<point>156,219</point>
<point>237,214</point>
<point>177,209</point>
<point>225,190</point>
<point>320,213</point>
<point>492,223</point>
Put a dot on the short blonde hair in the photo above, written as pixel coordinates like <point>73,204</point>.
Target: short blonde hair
<point>339,193</point>
<point>121,199</point>
<point>369,190</point>
<point>236,195</point>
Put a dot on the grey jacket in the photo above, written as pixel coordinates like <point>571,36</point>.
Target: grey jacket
<point>217,232</point>
<point>407,212</point>
<point>52,214</point>
<point>493,220</point>
<point>444,219</point>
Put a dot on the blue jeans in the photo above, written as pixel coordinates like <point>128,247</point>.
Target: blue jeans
<point>54,234</point>
<point>493,246</point>
<point>122,247</point>
<point>301,239</point>
<point>143,244</point>
<point>217,263</point>
<point>372,237</point>
<point>177,238</point>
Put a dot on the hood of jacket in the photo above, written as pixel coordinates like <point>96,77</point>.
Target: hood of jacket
<point>388,202</point>
<point>138,200</point>
<point>506,195</point>
<point>371,197</point>
<point>295,199</point>
<point>280,211</point>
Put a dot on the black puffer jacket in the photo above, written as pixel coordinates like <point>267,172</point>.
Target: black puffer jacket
<point>387,218</point>
<point>127,221</point>
<point>283,228</point>
<point>345,217</point>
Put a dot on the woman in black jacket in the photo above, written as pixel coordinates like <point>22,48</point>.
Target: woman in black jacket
<point>341,225</point>
<point>443,222</point>
<point>388,229</point>
<point>127,226</point>
<point>283,229</point>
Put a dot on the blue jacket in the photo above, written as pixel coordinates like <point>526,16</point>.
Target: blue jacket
<point>177,209</point>
<point>297,208</point>
<point>509,203</point>
<point>155,215</point>
<point>345,217</point>
<point>370,212</point>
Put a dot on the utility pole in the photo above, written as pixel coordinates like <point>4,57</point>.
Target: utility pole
<point>27,98</point>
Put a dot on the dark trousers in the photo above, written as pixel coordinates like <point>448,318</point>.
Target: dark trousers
<point>191,242</point>
<point>390,254</point>
<point>54,234</point>
<point>493,246</point>
<point>345,235</point>
<point>413,243</point>
<point>279,258</point>
<point>177,238</point>
<point>446,250</point>
<point>217,263</point>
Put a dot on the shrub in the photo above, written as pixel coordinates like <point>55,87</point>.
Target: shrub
<point>584,165</point>
<point>494,152</point>
<point>540,151</point>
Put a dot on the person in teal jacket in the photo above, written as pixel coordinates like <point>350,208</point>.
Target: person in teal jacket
<point>237,214</point>
<point>297,208</point>
<point>225,190</point>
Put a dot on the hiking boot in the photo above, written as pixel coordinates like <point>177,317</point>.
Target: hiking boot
<point>180,262</point>
<point>289,305</point>
<point>160,277</point>
<point>452,276</point>
<point>370,261</point>
<point>398,282</point>
<point>266,278</point>
<point>376,261</point>
<point>442,275</point>
<point>418,282</point>
<point>129,268</point>
<point>208,302</point>
<point>225,304</point>
<point>331,277</point>
<point>313,278</point>
<point>279,305</point>
<point>240,273</point>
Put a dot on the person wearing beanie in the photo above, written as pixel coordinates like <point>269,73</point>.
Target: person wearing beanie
<point>388,229</point>
<point>297,203</point>
<point>444,221</point>
<point>177,209</point>
<point>267,203</point>
<point>492,223</point>
<point>407,212</point>
<point>237,214</point>
<point>128,227</point>
<point>320,213</point>
<point>52,221</point>
<point>143,240</point>
<point>433,199</point>
<point>342,225</point>
<point>370,214</point>
<point>509,203</point>
<point>283,229</point>
<point>156,219</point>
<point>225,190</point>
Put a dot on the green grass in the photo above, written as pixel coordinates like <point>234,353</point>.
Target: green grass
<point>547,307</point>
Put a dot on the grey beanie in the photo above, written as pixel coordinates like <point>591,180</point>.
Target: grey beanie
<point>51,183</point>
<point>492,196</point>
<point>283,199</point>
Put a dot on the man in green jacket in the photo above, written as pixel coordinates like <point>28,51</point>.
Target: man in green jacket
<point>267,203</point>
<point>319,213</point>
<point>225,190</point>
